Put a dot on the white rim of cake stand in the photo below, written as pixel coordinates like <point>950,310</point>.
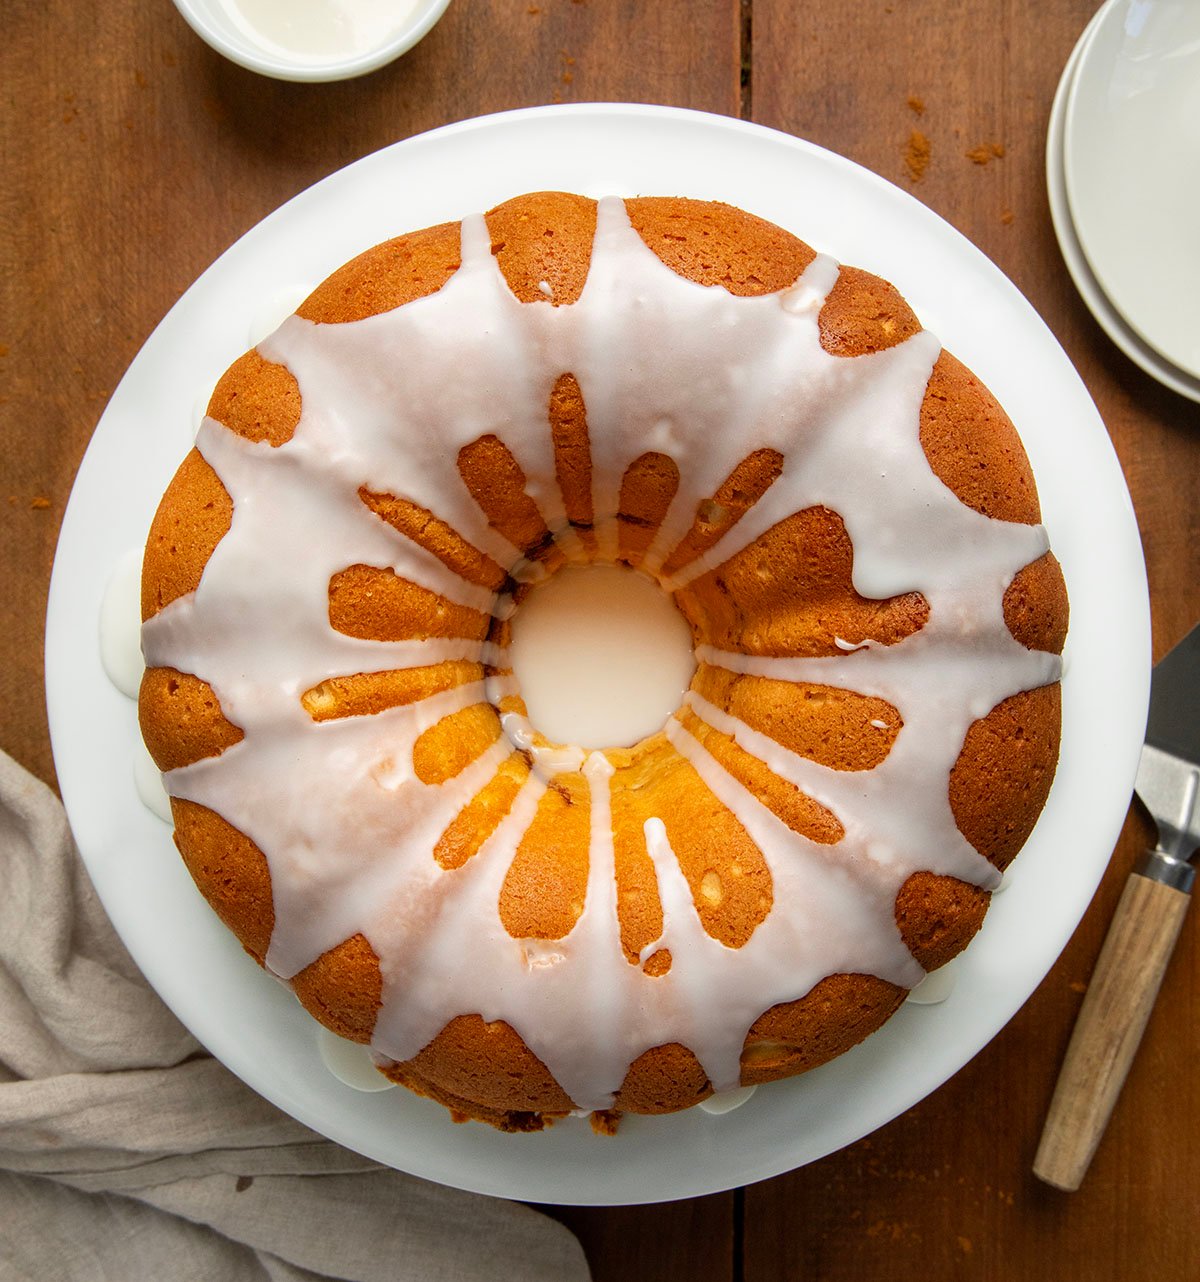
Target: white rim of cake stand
<point>251,1023</point>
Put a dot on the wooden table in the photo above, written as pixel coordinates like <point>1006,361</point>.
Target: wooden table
<point>134,155</point>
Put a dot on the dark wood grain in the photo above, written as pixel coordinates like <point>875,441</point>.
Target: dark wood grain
<point>946,1191</point>
<point>672,1242</point>
<point>134,155</point>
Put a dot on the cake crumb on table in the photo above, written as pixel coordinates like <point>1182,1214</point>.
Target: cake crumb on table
<point>916,155</point>
<point>1007,216</point>
<point>916,104</point>
<point>605,1121</point>
<point>985,153</point>
<point>40,502</point>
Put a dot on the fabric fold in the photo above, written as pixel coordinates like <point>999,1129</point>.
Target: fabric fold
<point>126,1151</point>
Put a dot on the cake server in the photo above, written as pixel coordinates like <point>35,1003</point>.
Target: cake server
<point>1142,936</point>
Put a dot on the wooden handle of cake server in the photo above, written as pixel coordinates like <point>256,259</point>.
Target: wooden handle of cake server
<point>1111,1021</point>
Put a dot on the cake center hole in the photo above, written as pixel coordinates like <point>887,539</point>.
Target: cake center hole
<point>602,656</point>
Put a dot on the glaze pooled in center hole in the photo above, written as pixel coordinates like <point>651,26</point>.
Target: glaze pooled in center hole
<point>601,655</point>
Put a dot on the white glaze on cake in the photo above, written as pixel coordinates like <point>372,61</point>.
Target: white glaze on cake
<point>348,829</point>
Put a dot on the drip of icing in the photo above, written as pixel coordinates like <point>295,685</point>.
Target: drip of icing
<point>121,657</point>
<point>727,1101</point>
<point>347,827</point>
<point>149,784</point>
<point>936,987</point>
<point>120,621</point>
<point>352,1064</point>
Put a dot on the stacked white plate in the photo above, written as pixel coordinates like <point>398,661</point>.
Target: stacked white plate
<point>1123,173</point>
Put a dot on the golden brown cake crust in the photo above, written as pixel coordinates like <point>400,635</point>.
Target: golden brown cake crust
<point>998,786</point>
<point>192,518</point>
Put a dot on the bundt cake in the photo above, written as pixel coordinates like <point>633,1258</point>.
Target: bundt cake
<point>843,514</point>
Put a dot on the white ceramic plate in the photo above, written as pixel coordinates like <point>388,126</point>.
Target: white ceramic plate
<point>1132,165</point>
<point>252,1023</point>
<point>1110,320</point>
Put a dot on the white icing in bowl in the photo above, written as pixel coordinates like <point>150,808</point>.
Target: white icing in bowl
<point>277,40</point>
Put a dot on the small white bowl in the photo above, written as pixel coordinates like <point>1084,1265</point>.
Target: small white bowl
<point>213,22</point>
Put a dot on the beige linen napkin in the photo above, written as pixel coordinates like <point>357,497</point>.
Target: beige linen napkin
<point>126,1152</point>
